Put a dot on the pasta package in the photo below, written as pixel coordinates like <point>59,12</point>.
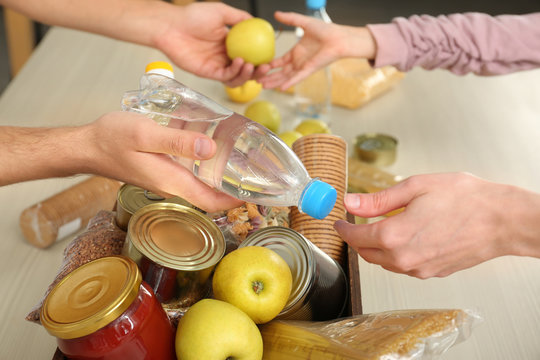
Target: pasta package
<point>391,335</point>
<point>355,82</point>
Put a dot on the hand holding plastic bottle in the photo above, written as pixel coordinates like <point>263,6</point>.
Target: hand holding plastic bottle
<point>451,222</point>
<point>141,156</point>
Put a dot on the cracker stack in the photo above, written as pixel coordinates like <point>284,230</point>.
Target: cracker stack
<point>325,157</point>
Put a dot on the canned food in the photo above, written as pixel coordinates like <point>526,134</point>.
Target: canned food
<point>103,310</point>
<point>176,248</point>
<point>131,198</point>
<point>319,290</point>
<point>376,149</point>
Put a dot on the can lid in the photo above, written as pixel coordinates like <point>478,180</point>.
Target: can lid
<point>176,236</point>
<point>90,297</point>
<point>318,199</point>
<point>294,248</point>
<point>160,67</point>
<point>131,198</point>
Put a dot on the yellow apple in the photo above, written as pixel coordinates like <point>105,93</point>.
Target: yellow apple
<point>313,126</point>
<point>216,330</point>
<point>245,92</point>
<point>252,40</point>
<point>265,113</point>
<point>256,280</point>
<point>289,137</point>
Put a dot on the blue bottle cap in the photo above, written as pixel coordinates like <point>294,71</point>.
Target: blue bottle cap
<point>315,4</point>
<point>318,199</point>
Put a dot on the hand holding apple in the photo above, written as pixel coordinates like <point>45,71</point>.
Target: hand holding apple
<point>216,330</point>
<point>256,280</point>
<point>252,40</point>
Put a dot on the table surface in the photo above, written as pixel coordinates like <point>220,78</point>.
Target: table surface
<point>487,126</point>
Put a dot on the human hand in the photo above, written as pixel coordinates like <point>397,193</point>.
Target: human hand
<point>193,37</point>
<point>321,44</point>
<point>134,149</point>
<point>450,222</point>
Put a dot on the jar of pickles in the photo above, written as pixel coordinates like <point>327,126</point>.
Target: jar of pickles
<point>103,310</point>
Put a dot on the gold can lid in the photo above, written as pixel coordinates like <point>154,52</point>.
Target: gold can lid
<point>90,297</point>
<point>376,149</point>
<point>131,198</point>
<point>175,236</point>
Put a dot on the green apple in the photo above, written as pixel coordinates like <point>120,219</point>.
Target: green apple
<point>252,40</point>
<point>256,280</point>
<point>245,92</point>
<point>265,113</point>
<point>216,330</point>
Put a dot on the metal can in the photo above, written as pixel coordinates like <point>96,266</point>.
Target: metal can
<point>131,198</point>
<point>176,248</point>
<point>376,149</point>
<point>320,289</point>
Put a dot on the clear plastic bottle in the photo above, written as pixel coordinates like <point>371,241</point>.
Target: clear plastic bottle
<point>251,163</point>
<point>313,96</point>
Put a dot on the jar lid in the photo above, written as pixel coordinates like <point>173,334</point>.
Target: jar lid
<point>175,236</point>
<point>91,297</point>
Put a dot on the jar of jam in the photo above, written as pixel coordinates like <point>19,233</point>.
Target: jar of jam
<point>103,310</point>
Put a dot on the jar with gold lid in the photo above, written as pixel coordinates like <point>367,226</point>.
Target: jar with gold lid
<point>103,310</point>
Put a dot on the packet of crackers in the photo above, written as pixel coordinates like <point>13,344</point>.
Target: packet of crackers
<point>391,335</point>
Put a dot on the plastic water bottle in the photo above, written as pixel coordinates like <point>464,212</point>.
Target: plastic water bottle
<point>251,163</point>
<point>313,95</point>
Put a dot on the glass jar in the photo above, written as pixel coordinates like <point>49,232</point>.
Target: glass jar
<point>103,310</point>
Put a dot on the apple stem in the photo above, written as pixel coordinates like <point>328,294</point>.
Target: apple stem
<point>257,286</point>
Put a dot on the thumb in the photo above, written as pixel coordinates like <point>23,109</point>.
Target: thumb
<point>380,203</point>
<point>291,18</point>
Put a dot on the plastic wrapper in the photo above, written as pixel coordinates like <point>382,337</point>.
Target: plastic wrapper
<point>240,222</point>
<point>100,238</point>
<point>355,82</point>
<point>392,335</point>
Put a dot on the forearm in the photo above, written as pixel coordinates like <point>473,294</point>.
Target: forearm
<point>38,153</point>
<point>461,43</point>
<point>128,20</point>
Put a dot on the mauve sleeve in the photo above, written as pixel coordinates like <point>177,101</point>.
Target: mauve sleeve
<point>461,43</point>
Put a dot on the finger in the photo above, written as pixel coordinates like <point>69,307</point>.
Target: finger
<point>380,203</point>
<point>261,71</point>
<point>245,74</point>
<point>155,138</point>
<point>291,18</point>
<point>359,236</point>
<point>232,15</point>
<point>170,177</point>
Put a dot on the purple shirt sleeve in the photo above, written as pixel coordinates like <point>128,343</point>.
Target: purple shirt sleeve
<point>461,43</point>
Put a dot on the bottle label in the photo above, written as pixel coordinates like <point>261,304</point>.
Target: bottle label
<point>68,228</point>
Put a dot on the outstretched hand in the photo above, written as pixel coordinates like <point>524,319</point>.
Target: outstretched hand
<point>450,222</point>
<point>321,44</point>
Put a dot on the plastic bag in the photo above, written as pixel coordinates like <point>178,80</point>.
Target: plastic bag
<point>100,238</point>
<point>392,335</point>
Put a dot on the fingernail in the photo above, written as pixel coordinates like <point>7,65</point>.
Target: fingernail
<point>352,201</point>
<point>203,148</point>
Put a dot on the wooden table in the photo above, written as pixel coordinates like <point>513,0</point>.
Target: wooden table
<point>486,126</point>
